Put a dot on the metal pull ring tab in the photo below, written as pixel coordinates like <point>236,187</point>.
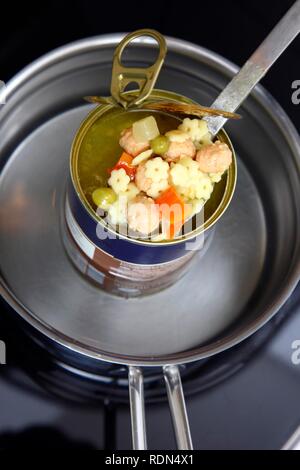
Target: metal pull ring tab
<point>144,77</point>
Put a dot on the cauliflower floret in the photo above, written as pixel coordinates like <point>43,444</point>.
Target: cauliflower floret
<point>190,126</point>
<point>177,135</point>
<point>187,192</point>
<point>192,167</point>
<point>198,185</point>
<point>195,128</point>
<point>202,129</point>
<point>130,192</point>
<point>183,192</point>
<point>117,212</point>
<point>215,177</point>
<point>206,139</point>
<point>156,169</point>
<point>197,205</point>
<point>157,188</point>
<point>119,180</point>
<point>179,175</point>
<point>152,177</point>
<point>203,188</point>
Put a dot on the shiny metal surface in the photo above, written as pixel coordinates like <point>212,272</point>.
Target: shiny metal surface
<point>178,408</point>
<point>144,77</point>
<point>257,66</point>
<point>293,443</point>
<point>254,253</point>
<point>176,402</point>
<point>137,408</point>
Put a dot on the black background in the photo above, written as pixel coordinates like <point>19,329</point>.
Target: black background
<point>232,28</point>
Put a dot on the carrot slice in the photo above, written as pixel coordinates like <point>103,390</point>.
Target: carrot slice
<point>174,204</point>
<point>125,163</point>
<point>172,210</point>
<point>125,158</point>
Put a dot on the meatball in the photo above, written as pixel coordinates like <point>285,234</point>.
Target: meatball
<point>214,158</point>
<point>180,149</point>
<point>130,145</point>
<point>143,215</point>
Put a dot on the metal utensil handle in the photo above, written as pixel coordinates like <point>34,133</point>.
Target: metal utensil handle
<point>137,408</point>
<point>178,408</point>
<point>176,402</point>
<point>257,66</point>
<point>144,77</point>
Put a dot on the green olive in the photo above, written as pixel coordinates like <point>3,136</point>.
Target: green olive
<point>160,144</point>
<point>104,197</point>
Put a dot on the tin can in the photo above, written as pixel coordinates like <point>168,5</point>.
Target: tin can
<point>111,257</point>
<point>119,263</point>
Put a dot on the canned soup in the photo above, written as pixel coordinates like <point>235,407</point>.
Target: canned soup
<point>147,173</point>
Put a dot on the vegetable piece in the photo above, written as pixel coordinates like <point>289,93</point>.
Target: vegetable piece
<point>119,180</point>
<point>157,188</point>
<point>125,158</point>
<point>195,128</point>
<point>104,197</point>
<point>153,187</point>
<point>117,212</point>
<point>179,175</point>
<point>172,211</point>
<point>125,162</point>
<point>171,200</point>
<point>215,177</point>
<point>130,193</point>
<point>145,129</point>
<point>160,144</point>
<point>141,157</point>
<point>177,135</point>
<point>156,169</point>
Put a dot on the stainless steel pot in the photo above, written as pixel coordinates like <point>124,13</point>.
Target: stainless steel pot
<point>250,269</point>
